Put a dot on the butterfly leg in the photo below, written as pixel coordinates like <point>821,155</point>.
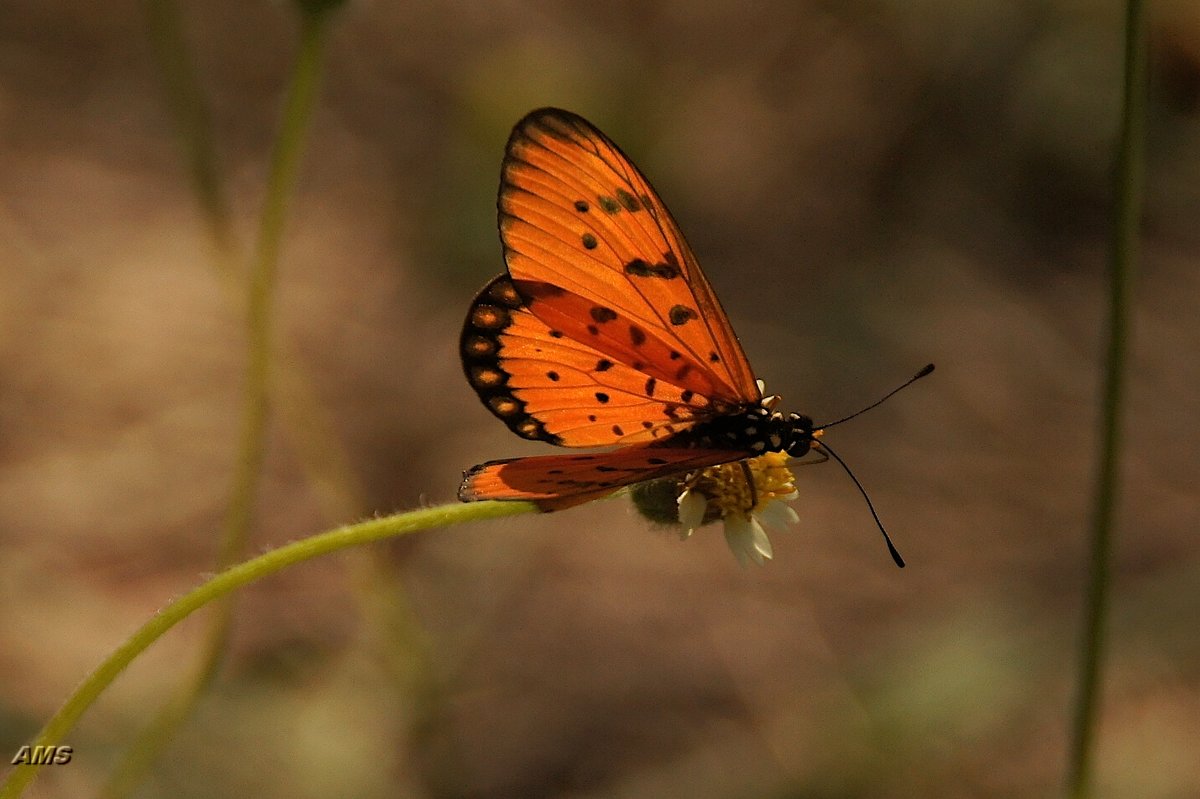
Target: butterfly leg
<point>823,456</point>
<point>749,484</point>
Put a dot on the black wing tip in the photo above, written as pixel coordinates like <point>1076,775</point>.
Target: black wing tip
<point>538,124</point>
<point>537,115</point>
<point>548,120</point>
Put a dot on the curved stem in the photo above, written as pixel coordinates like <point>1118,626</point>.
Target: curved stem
<point>232,579</point>
<point>285,163</point>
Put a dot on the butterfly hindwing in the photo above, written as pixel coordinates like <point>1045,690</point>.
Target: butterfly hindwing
<point>550,386</point>
<point>555,482</point>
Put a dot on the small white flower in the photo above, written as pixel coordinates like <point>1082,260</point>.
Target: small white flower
<point>692,506</point>
<point>723,493</point>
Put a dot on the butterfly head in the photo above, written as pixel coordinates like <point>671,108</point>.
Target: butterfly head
<point>800,434</point>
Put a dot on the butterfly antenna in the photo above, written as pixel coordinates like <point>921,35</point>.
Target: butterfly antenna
<point>924,372</point>
<point>887,538</point>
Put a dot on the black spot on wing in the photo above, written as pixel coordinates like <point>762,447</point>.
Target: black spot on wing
<point>681,314</point>
<point>626,199</point>
<point>602,314</point>
<point>639,267</point>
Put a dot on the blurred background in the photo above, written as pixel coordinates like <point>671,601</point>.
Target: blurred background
<point>870,186</point>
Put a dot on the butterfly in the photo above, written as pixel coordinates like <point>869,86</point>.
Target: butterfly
<point>604,332</point>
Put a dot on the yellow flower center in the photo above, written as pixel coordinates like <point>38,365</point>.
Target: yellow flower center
<point>728,491</point>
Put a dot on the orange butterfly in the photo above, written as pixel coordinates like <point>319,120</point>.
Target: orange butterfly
<point>604,332</point>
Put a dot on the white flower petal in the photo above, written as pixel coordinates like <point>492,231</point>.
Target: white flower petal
<point>692,505</point>
<point>747,540</point>
<point>762,544</point>
<point>778,515</point>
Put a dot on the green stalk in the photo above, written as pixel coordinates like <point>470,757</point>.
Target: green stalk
<point>186,104</point>
<point>228,581</point>
<point>1128,177</point>
<point>285,162</point>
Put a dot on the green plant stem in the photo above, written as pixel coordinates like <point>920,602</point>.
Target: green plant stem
<point>232,579</point>
<point>285,163</point>
<point>398,637</point>
<point>186,104</point>
<point>1128,177</point>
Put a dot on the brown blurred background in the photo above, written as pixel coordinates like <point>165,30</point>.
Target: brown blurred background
<point>870,185</point>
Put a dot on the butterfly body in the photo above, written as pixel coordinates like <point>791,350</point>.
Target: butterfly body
<point>604,332</point>
<point>754,430</point>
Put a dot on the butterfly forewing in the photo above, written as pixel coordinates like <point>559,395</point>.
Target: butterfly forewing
<point>576,214</point>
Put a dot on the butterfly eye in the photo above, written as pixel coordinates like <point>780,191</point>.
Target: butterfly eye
<point>799,446</point>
